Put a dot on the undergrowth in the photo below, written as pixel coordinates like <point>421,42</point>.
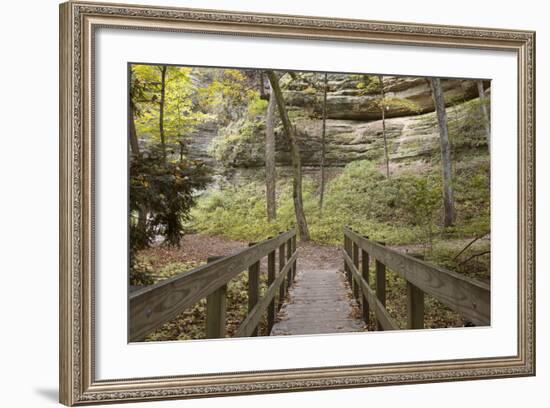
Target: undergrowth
<point>191,323</point>
<point>403,210</point>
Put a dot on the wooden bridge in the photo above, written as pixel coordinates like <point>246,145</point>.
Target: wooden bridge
<point>308,301</point>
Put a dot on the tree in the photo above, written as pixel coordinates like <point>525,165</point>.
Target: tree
<point>295,157</point>
<point>166,189</point>
<point>420,196</point>
<point>486,121</point>
<point>270,175</point>
<point>161,113</point>
<point>313,86</point>
<point>323,147</point>
<point>229,93</point>
<point>382,107</point>
<point>161,108</point>
<point>136,92</point>
<point>448,201</point>
<point>132,133</point>
<point>178,107</point>
<point>374,85</point>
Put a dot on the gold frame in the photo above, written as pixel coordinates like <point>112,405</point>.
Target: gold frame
<point>77,24</point>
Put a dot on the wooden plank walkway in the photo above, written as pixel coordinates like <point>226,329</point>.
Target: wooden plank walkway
<point>319,302</point>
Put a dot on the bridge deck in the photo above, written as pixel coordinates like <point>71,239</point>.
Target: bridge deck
<point>319,302</point>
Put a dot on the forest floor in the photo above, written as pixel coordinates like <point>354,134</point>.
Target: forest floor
<point>193,249</point>
<point>320,268</point>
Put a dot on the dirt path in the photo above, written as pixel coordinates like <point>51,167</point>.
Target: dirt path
<point>319,301</point>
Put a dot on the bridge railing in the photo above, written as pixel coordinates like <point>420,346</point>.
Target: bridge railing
<point>470,298</point>
<point>154,305</point>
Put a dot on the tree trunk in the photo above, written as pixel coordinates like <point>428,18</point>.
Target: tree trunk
<point>134,149</point>
<point>263,94</point>
<point>448,202</point>
<point>323,136</point>
<point>486,120</point>
<point>182,150</point>
<point>270,175</point>
<point>295,154</point>
<point>134,145</point>
<point>161,109</point>
<point>383,109</point>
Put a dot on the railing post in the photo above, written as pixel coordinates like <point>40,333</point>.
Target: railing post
<point>253,286</point>
<point>282,262</point>
<point>288,256</point>
<point>381,284</point>
<point>356,263</point>
<point>215,310</point>
<point>295,260</point>
<point>346,250</point>
<point>415,305</point>
<point>365,275</point>
<point>270,279</point>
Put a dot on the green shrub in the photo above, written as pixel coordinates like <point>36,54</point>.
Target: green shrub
<point>239,212</point>
<point>239,142</point>
<point>406,209</point>
<point>467,125</point>
<point>163,192</point>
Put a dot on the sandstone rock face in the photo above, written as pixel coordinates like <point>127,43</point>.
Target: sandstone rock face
<point>409,138</point>
<point>347,140</point>
<point>353,127</point>
<point>345,100</point>
<point>200,142</point>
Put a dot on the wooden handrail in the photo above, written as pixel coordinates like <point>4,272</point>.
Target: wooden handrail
<point>156,304</point>
<point>382,315</point>
<point>249,324</point>
<point>466,296</point>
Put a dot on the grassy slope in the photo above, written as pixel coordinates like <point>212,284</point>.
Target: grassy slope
<point>401,211</point>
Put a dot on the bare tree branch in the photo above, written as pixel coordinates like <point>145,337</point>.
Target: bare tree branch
<point>474,256</point>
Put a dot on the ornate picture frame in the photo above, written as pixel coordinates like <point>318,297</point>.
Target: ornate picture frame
<point>78,24</point>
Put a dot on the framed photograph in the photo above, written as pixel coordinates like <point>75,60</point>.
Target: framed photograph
<point>256,203</point>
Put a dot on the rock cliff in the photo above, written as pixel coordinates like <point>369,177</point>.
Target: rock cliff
<point>354,125</point>
<point>348,100</point>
